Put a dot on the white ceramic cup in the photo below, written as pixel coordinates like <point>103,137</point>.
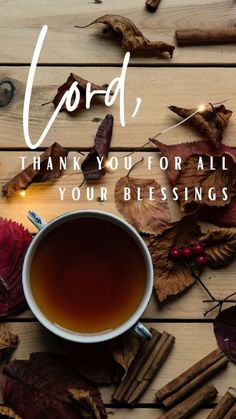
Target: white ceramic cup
<point>132,323</point>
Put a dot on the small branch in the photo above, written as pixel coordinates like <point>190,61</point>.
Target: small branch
<point>135,164</point>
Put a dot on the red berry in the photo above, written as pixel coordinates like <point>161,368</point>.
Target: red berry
<point>198,248</point>
<point>201,260</point>
<point>187,252</point>
<point>175,253</point>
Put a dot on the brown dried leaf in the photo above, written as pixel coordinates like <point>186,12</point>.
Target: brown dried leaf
<point>90,167</point>
<point>85,403</point>
<point>132,38</point>
<point>190,177</point>
<point>146,216</point>
<point>7,413</point>
<point>172,277</point>
<point>221,216</point>
<point>82,83</point>
<point>29,175</point>
<point>124,349</point>
<point>220,246</point>
<point>210,122</point>
<point>8,341</point>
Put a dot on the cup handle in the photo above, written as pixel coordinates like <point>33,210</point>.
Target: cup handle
<point>35,219</point>
<point>141,331</point>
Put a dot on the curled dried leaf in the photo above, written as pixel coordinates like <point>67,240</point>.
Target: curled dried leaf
<point>211,122</point>
<point>7,413</point>
<point>102,141</point>
<point>50,157</point>
<point>131,37</point>
<point>8,341</point>
<point>81,85</point>
<point>220,246</point>
<point>148,215</point>
<point>86,406</point>
<point>221,216</point>
<point>172,277</point>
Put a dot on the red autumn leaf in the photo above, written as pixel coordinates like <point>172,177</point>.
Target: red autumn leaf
<point>14,241</point>
<point>225,332</point>
<point>172,277</point>
<point>210,122</point>
<point>90,166</point>
<point>131,37</point>
<point>147,216</point>
<point>81,85</point>
<point>43,174</point>
<point>40,387</point>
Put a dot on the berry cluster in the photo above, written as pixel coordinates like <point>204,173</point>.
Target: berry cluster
<point>195,253</point>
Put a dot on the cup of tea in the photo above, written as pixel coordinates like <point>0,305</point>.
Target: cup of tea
<point>88,276</point>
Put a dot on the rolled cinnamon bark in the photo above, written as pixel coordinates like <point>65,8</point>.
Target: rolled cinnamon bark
<point>223,407</point>
<point>192,404</point>
<point>186,383</point>
<point>232,413</point>
<point>152,5</point>
<point>144,368</point>
<point>205,36</point>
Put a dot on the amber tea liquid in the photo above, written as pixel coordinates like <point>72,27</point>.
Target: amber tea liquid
<point>88,275</point>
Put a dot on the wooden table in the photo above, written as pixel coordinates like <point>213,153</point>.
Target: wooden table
<point>194,76</point>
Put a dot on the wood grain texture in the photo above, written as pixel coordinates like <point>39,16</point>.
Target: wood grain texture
<point>189,305</point>
<point>158,88</point>
<point>20,27</point>
<point>193,341</point>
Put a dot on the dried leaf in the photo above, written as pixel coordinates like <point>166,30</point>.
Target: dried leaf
<point>171,276</point>
<point>185,150</point>
<point>147,216</point>
<point>210,122</point>
<point>220,246</point>
<point>14,241</point>
<point>84,401</point>
<point>82,83</point>
<point>189,177</point>
<point>131,37</point>
<point>221,216</point>
<point>90,166</point>
<point>205,180</point>
<point>8,341</point>
<point>7,413</point>
<point>50,157</point>
<point>103,363</point>
<point>225,332</point>
<point>39,387</point>
<point>124,349</point>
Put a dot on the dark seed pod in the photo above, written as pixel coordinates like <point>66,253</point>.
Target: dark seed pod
<point>7,90</point>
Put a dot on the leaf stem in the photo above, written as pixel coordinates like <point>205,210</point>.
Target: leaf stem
<point>134,165</point>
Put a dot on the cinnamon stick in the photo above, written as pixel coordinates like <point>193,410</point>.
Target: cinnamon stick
<point>232,413</point>
<point>192,404</point>
<point>152,5</point>
<point>205,36</point>
<point>224,407</point>
<point>144,368</point>
<point>187,382</point>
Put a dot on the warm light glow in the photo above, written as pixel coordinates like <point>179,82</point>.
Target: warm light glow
<point>107,164</point>
<point>22,193</point>
<point>201,108</point>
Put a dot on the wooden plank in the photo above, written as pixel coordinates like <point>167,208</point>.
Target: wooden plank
<point>148,413</point>
<point>20,28</point>
<point>193,341</point>
<point>189,305</point>
<point>161,87</point>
